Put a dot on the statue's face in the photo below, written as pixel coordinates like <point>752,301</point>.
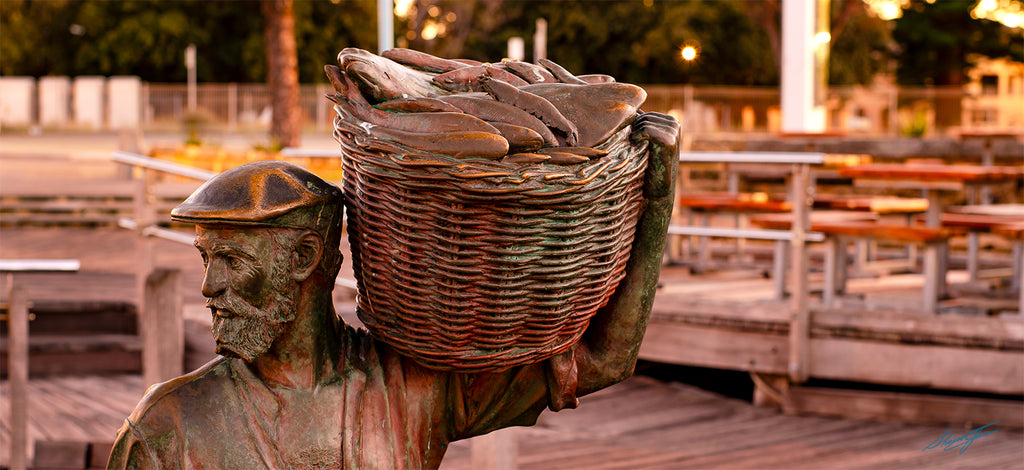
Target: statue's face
<point>247,286</point>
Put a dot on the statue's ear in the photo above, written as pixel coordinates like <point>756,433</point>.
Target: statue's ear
<point>309,248</point>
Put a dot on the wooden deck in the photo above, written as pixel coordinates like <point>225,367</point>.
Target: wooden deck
<point>721,320</point>
<point>642,423</point>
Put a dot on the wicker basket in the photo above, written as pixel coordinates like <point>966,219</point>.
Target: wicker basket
<point>475,265</point>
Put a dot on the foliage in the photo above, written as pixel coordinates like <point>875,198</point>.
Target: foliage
<point>148,37</point>
<point>634,40</point>
<point>862,45</point>
<point>937,38</point>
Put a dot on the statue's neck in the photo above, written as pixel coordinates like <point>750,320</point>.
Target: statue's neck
<point>305,355</point>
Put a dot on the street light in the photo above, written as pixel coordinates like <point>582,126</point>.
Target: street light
<point>688,53</point>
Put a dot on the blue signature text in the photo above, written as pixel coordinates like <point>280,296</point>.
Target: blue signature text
<point>948,442</point>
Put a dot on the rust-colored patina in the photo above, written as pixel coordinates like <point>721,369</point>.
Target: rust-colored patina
<point>297,388</point>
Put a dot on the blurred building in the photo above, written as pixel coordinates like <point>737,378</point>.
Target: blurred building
<point>994,95</point>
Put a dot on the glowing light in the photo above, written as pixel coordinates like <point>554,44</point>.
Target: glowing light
<point>1007,12</point>
<point>688,53</point>
<point>887,9</point>
<point>823,37</point>
<point>403,7</point>
<point>430,30</point>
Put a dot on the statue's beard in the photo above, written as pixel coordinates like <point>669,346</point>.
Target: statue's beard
<point>245,331</point>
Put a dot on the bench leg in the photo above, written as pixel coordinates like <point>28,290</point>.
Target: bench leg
<point>932,272</point>
<point>780,262</point>
<point>704,250</point>
<point>972,256</point>
<point>690,241</point>
<point>1018,273</point>
<point>1017,276</point>
<point>834,261</point>
<point>739,244</point>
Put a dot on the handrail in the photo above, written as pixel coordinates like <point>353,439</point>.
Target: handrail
<point>758,234</point>
<point>39,265</point>
<point>311,152</point>
<point>162,165</point>
<point>804,158</point>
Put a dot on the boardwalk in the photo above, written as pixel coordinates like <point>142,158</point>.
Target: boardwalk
<point>641,424</point>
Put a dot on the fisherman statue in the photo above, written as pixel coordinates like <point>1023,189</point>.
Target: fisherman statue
<point>294,387</point>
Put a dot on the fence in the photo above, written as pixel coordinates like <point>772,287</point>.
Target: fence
<point>882,110</point>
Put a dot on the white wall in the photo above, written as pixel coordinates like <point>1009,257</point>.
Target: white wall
<point>17,99</point>
<point>124,102</point>
<point>54,101</point>
<point>88,102</point>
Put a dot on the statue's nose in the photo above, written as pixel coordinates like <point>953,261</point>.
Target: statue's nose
<point>215,279</point>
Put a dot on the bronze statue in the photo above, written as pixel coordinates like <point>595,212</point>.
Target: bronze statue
<point>297,388</point>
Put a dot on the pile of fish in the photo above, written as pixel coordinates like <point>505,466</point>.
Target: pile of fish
<point>512,111</point>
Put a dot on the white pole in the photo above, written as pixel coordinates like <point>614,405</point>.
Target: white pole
<point>385,25</point>
<point>516,48</point>
<point>190,66</point>
<point>540,40</point>
<point>799,113</point>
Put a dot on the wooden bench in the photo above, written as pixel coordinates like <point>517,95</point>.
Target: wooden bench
<point>840,228</point>
<point>67,202</point>
<point>973,225</point>
<point>1015,233</point>
<point>881,205</point>
<point>740,205</point>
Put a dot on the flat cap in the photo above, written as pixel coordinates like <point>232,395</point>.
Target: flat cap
<point>257,193</point>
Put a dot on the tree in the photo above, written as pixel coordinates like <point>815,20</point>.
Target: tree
<point>282,72</point>
<point>937,41</point>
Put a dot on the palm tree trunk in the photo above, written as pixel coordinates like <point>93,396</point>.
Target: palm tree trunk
<point>282,71</point>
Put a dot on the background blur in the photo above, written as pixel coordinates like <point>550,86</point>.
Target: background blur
<point>896,67</point>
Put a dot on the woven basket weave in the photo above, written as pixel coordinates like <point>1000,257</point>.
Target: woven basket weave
<point>475,265</point>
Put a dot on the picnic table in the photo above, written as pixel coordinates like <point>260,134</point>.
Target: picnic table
<point>933,179</point>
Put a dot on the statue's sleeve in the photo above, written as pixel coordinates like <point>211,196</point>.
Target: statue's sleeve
<point>131,451</point>
<point>483,402</point>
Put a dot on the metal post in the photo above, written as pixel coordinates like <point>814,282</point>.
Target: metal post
<point>385,25</point>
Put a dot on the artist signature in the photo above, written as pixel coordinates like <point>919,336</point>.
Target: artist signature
<point>948,442</point>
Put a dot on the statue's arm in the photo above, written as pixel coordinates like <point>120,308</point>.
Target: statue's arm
<point>129,451</point>
<point>608,350</point>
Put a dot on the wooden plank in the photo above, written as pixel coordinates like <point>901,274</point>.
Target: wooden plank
<point>91,189</point>
<point>17,331</point>
<point>953,330</point>
<point>99,453</point>
<point>710,347</point>
<point>903,407</point>
<point>908,184</point>
<point>162,324</point>
<point>909,365</point>
<point>800,322</point>
<point>925,366</point>
<point>60,455</point>
<point>928,172</point>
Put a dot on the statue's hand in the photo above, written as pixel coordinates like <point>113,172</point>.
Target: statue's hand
<point>662,133</point>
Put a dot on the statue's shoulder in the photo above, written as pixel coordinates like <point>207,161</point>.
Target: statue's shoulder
<point>367,353</point>
<point>171,396</point>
